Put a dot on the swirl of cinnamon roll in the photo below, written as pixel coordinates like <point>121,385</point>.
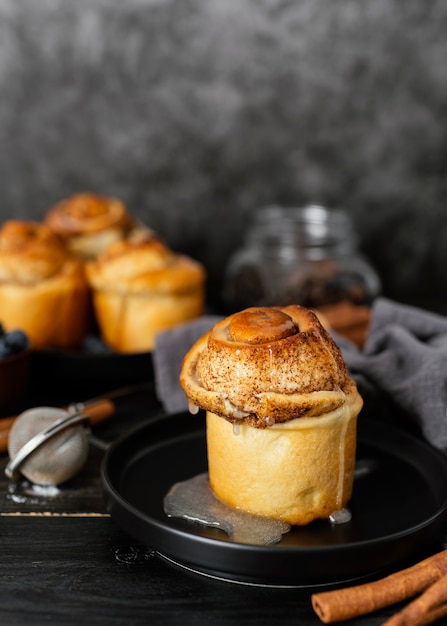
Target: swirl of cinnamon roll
<point>29,252</point>
<point>87,213</point>
<point>141,287</point>
<point>267,365</point>
<point>142,263</point>
<point>89,222</point>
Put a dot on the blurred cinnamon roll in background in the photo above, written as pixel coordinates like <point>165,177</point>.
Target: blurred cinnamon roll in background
<point>281,413</point>
<point>43,288</point>
<point>141,287</point>
<point>89,222</point>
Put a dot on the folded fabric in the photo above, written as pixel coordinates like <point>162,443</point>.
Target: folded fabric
<point>402,368</point>
<point>401,371</point>
<point>170,348</point>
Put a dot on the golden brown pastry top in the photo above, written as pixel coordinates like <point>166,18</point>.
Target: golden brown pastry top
<point>86,213</point>
<point>266,365</point>
<point>143,263</point>
<point>30,252</point>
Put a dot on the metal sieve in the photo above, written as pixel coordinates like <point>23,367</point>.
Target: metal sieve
<point>47,445</point>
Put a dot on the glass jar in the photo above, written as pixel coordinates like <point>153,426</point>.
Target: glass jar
<point>306,256</point>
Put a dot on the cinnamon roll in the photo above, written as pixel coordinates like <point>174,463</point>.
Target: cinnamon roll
<point>89,222</point>
<point>43,288</point>
<point>141,287</point>
<point>281,413</point>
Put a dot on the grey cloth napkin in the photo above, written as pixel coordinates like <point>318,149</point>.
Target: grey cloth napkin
<point>401,372</point>
<point>402,369</point>
<point>170,348</point>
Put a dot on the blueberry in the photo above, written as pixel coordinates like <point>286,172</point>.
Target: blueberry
<point>4,349</point>
<point>16,340</point>
<point>2,330</point>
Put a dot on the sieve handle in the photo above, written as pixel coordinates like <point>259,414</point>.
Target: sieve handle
<point>97,411</point>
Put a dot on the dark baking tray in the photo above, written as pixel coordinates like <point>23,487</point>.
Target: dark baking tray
<point>398,508</point>
<point>92,361</point>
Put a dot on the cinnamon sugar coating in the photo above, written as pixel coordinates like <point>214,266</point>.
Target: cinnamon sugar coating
<point>266,365</point>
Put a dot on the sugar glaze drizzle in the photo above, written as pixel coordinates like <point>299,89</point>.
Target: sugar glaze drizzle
<point>193,408</point>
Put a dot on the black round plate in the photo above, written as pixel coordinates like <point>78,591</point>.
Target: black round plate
<point>398,507</point>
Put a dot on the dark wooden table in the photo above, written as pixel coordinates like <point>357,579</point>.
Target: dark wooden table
<point>65,561</point>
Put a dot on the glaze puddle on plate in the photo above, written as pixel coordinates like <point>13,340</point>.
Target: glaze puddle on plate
<point>194,501</point>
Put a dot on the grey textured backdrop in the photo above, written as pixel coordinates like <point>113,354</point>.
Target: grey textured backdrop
<point>197,112</point>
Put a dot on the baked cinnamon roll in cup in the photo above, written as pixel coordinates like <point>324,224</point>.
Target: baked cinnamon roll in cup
<point>281,413</point>
<point>89,222</point>
<point>43,288</point>
<point>141,287</point>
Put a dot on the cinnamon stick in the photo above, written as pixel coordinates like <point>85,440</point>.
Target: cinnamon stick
<point>430,605</point>
<point>350,602</point>
<point>432,616</point>
<point>429,618</point>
